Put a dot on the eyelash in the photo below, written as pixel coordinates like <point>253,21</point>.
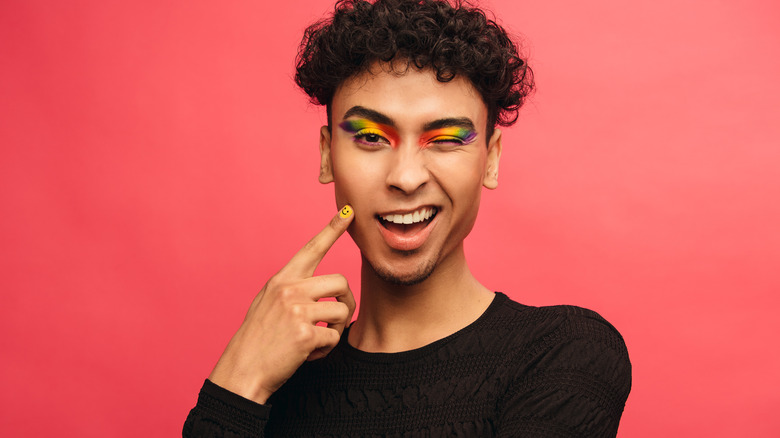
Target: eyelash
<point>445,140</point>
<point>360,137</point>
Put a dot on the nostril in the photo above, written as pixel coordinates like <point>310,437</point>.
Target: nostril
<point>406,189</point>
<point>407,176</point>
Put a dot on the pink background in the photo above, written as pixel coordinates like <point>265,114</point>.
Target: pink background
<point>158,165</point>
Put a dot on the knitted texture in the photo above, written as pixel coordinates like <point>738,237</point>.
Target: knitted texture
<point>517,371</point>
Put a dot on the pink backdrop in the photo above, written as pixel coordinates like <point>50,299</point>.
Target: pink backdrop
<point>158,165</point>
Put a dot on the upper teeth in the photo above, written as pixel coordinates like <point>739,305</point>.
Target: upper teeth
<point>410,218</point>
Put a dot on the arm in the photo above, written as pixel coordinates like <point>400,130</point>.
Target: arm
<point>221,413</point>
<point>279,333</point>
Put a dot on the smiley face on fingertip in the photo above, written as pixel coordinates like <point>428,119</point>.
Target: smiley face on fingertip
<point>346,211</point>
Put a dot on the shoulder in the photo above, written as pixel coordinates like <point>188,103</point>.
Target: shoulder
<point>567,365</point>
<point>550,326</point>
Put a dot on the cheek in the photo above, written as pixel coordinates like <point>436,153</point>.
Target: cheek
<point>356,179</point>
<point>459,175</point>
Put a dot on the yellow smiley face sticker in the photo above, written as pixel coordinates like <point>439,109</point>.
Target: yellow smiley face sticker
<point>346,211</point>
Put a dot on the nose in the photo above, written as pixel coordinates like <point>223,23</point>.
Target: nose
<point>408,170</point>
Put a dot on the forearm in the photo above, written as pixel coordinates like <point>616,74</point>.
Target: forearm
<point>221,413</point>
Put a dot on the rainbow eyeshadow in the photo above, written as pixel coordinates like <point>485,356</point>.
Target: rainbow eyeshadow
<point>452,133</point>
<point>365,126</point>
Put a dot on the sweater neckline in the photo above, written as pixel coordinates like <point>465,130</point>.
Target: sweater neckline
<point>425,350</point>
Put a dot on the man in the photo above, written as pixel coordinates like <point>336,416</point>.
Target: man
<point>413,91</point>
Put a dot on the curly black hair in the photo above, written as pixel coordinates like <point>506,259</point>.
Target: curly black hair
<point>450,38</point>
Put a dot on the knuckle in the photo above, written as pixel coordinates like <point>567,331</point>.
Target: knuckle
<point>349,300</point>
<point>342,281</point>
<point>333,337</point>
<point>311,245</point>
<point>343,311</point>
<point>286,293</point>
<point>273,283</point>
<point>335,223</point>
<point>297,311</point>
<point>302,334</point>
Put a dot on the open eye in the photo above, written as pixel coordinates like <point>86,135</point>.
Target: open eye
<point>369,134</point>
<point>370,138</point>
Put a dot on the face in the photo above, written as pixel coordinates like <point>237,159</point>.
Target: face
<point>409,154</point>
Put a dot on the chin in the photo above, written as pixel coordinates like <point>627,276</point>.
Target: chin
<point>416,275</point>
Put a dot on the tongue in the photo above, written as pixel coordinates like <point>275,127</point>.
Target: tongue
<point>405,229</point>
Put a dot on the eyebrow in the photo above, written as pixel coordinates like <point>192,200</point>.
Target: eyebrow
<point>459,122</point>
<point>376,116</point>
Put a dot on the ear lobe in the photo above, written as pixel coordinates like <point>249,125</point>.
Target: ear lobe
<point>490,179</point>
<point>326,167</point>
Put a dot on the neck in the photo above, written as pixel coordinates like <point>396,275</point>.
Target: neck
<point>397,318</point>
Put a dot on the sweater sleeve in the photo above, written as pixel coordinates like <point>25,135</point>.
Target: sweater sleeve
<point>575,383</point>
<point>221,413</point>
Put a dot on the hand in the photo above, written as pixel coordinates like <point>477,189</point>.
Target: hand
<point>280,329</point>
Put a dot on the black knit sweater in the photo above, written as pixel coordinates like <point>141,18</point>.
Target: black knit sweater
<point>517,371</point>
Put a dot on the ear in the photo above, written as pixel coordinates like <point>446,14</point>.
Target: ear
<point>326,167</point>
<point>490,180</point>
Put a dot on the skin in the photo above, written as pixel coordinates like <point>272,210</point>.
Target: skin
<point>280,329</point>
<point>409,298</point>
<point>400,172</point>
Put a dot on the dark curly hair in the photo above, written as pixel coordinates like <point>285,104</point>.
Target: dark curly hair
<point>450,38</point>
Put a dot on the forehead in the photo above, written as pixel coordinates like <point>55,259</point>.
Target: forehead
<point>411,97</point>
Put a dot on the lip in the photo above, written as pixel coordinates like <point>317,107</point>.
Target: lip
<point>407,211</point>
<point>411,242</point>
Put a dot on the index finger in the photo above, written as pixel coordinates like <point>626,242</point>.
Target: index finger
<point>306,260</point>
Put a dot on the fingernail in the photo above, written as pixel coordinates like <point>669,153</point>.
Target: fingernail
<point>346,211</point>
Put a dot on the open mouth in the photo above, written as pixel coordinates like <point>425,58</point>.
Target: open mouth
<point>408,224</point>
